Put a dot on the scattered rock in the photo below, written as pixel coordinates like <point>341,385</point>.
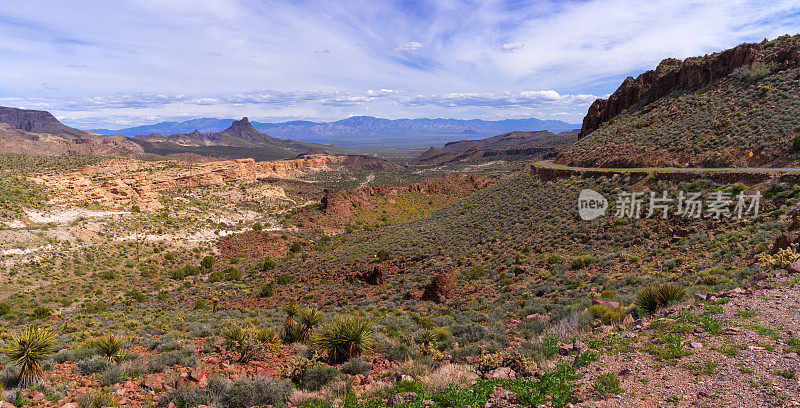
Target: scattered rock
<point>793,267</point>
<point>401,398</point>
<point>502,373</point>
<point>501,399</point>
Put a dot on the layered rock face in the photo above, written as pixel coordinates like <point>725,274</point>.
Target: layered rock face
<point>123,183</point>
<point>672,74</point>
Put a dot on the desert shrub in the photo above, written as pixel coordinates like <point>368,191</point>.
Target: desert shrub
<point>4,308</point>
<point>112,375</point>
<point>98,399</point>
<point>284,279</point>
<point>448,375</point>
<point>356,366</point>
<point>27,349</point>
<point>656,296</point>
<point>207,262</point>
<point>309,319</point>
<point>268,339</point>
<point>182,357</point>
<point>74,354</point>
<point>42,312</point>
<point>754,72</point>
<point>267,265</point>
<point>215,277</point>
<point>244,392</point>
<point>344,337</point>
<point>257,226</point>
<point>93,365</point>
<point>606,314</point>
<point>232,274</point>
<point>137,295</point>
<point>267,290</point>
<point>318,376</point>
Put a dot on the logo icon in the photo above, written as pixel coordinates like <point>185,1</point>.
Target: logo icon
<point>591,204</point>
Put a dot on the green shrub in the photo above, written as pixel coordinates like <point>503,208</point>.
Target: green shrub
<point>267,290</point>
<point>283,279</point>
<point>606,385</point>
<point>232,274</point>
<point>4,308</point>
<point>207,262</point>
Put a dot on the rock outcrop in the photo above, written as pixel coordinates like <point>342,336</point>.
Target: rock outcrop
<point>122,183</point>
<point>672,74</point>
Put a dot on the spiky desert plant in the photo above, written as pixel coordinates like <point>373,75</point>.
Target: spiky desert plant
<point>269,339</point>
<point>309,319</point>
<point>343,338</point>
<point>659,295</point>
<point>239,339</point>
<point>290,333</point>
<point>667,293</point>
<point>111,347</point>
<point>27,349</point>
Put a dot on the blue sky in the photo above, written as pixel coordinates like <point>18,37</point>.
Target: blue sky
<point>127,62</point>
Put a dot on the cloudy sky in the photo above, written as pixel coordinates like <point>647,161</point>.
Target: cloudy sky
<point>113,64</point>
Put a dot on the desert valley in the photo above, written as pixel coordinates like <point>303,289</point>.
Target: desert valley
<point>483,263</point>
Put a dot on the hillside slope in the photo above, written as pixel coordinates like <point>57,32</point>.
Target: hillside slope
<point>709,111</point>
<point>508,146</point>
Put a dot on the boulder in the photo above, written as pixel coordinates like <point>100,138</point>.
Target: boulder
<point>793,267</point>
<point>442,286</point>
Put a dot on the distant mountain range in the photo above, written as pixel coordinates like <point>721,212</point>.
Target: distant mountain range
<point>240,139</point>
<point>361,132</point>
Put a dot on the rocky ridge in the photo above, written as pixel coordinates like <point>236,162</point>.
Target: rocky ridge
<point>672,74</point>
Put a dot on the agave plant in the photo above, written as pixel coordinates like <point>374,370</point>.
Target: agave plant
<point>27,349</point>
<point>111,347</point>
<point>343,338</point>
<point>290,330</point>
<point>309,319</point>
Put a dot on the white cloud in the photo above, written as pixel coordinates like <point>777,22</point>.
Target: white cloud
<point>512,47</point>
<point>409,46</point>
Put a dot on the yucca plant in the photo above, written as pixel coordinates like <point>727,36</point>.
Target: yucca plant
<point>290,330</point>
<point>111,347</point>
<point>309,319</point>
<point>269,339</point>
<point>343,338</point>
<point>239,340</point>
<point>27,349</point>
